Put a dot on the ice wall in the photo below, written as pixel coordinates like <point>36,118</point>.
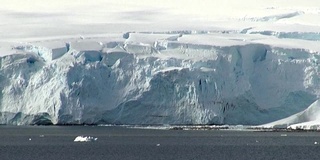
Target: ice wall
<point>143,81</point>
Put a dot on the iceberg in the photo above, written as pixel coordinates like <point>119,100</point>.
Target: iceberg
<point>85,139</point>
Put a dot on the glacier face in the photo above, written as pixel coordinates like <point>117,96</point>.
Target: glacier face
<point>144,78</point>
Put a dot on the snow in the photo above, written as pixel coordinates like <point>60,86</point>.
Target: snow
<point>309,119</point>
<point>252,62</point>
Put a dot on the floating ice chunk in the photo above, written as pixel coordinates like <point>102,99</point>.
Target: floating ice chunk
<point>85,139</point>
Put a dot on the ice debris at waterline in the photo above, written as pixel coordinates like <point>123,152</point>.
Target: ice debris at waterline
<point>85,139</point>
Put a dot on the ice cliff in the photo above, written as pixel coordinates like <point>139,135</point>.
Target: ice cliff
<point>168,78</point>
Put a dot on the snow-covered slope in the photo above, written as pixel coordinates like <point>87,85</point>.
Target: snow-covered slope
<point>158,64</point>
<point>307,119</point>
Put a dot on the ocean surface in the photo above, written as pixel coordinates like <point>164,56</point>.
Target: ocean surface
<point>121,143</point>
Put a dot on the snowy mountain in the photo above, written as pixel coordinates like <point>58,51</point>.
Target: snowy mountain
<point>245,66</point>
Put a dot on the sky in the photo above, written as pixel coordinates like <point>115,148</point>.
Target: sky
<point>30,18</point>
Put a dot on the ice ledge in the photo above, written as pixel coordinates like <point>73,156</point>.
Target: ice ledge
<point>48,50</point>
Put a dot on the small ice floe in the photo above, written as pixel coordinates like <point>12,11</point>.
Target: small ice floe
<point>85,139</point>
<point>158,145</point>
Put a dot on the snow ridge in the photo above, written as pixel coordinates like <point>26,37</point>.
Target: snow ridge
<point>273,17</point>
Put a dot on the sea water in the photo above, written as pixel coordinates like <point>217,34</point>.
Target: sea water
<point>121,143</point>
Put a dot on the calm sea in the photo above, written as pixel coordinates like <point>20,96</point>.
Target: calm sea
<point>120,143</point>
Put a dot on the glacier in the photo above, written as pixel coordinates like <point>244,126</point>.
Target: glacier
<point>159,78</point>
<point>160,62</point>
